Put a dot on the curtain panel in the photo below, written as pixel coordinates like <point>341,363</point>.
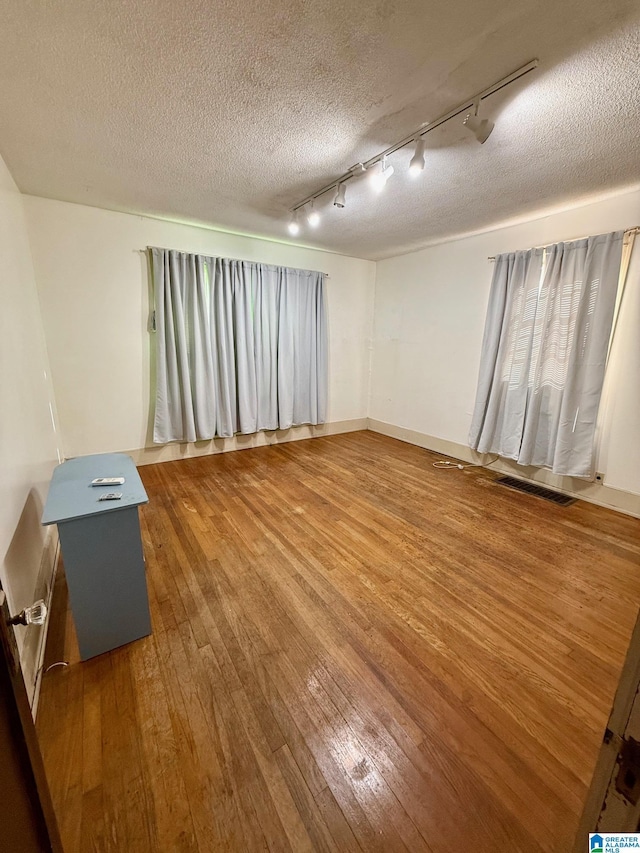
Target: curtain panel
<point>544,353</point>
<point>240,347</point>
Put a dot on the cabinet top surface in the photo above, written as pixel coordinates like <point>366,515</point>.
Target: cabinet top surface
<point>72,496</point>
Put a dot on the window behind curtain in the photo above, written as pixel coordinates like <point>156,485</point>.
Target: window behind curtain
<point>544,353</point>
<point>240,346</point>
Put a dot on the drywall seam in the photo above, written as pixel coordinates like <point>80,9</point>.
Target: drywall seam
<point>371,342</point>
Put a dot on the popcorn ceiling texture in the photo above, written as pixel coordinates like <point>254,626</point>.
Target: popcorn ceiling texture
<point>227,113</point>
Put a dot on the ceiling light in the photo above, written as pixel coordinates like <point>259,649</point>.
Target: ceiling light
<point>376,168</point>
<point>294,224</point>
<point>380,174</point>
<point>481,128</point>
<point>313,217</point>
<point>417,161</point>
<point>339,201</point>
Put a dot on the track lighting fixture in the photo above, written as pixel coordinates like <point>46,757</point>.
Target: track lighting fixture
<point>294,224</point>
<point>377,169</point>
<point>375,175</point>
<point>313,217</point>
<point>480,127</point>
<point>417,161</point>
<point>380,174</point>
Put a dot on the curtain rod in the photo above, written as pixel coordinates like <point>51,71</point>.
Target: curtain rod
<point>634,230</point>
<point>241,260</point>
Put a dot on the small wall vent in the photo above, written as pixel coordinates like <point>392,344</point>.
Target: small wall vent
<point>537,491</point>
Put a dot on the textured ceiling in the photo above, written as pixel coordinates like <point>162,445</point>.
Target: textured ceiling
<point>229,112</point>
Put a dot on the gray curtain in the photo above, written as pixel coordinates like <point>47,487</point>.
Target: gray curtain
<point>501,399</point>
<point>544,354</point>
<point>240,347</point>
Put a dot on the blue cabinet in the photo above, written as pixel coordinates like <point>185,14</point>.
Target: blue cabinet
<point>102,550</point>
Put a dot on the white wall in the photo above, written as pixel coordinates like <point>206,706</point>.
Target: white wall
<point>93,285</point>
<point>429,319</point>
<point>28,449</point>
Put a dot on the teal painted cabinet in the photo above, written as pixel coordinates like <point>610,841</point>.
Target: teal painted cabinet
<point>102,550</point>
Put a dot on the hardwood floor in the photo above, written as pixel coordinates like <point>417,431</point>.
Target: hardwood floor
<point>351,651</point>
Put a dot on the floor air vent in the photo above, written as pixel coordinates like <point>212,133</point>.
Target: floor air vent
<point>538,491</point>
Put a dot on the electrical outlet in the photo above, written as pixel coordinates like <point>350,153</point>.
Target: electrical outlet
<point>599,477</point>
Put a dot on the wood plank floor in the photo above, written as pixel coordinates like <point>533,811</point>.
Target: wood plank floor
<point>351,651</point>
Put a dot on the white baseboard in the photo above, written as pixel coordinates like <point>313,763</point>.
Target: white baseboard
<point>188,450</point>
<point>596,493</point>
<point>35,637</point>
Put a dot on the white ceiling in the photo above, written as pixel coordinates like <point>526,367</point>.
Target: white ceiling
<point>230,112</point>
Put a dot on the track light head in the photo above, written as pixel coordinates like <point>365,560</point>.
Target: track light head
<point>339,200</point>
<point>380,174</point>
<point>417,161</point>
<point>294,224</point>
<point>480,127</point>
<point>313,217</point>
